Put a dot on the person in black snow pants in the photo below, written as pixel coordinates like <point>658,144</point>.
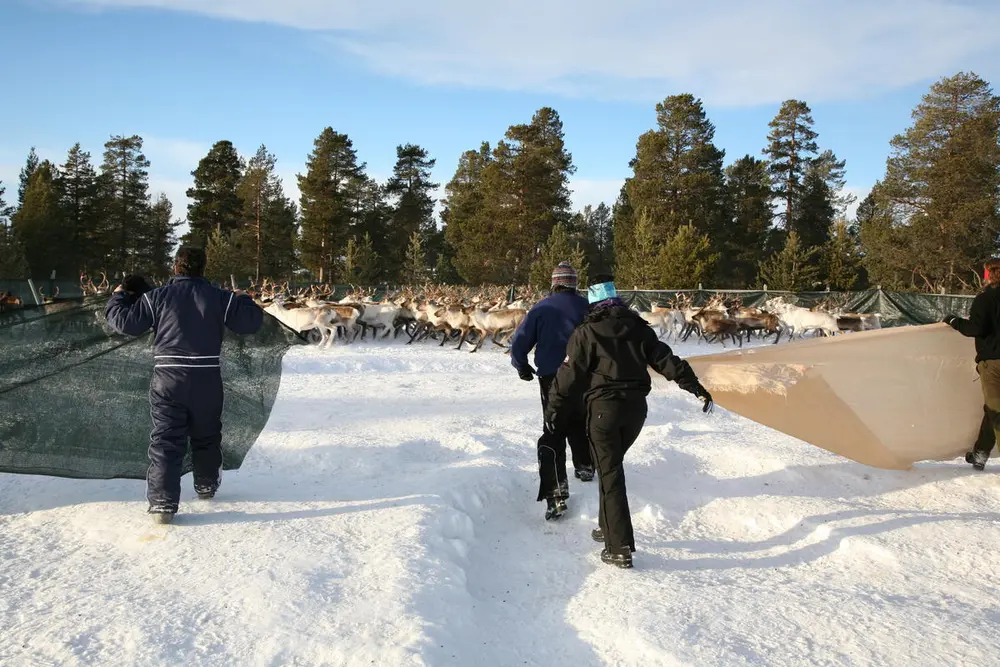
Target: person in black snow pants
<point>607,362</point>
<point>547,328</point>
<point>188,317</point>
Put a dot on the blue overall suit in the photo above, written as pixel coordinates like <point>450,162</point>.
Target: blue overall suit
<point>188,317</point>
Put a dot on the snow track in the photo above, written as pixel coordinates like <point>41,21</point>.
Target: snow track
<point>386,516</point>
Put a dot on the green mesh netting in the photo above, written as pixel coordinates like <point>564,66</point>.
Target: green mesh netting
<point>74,394</point>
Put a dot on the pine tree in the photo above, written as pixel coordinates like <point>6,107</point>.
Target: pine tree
<point>791,143</point>
<point>40,227</point>
<point>124,199</point>
<point>77,183</point>
<point>559,248</point>
<point>943,182</point>
<point>748,186</point>
<point>371,215</point>
<point>269,217</point>
<point>686,260</point>
<point>677,170</point>
<point>410,190</point>
<point>215,204</point>
<point>329,197</point>
<point>815,213</point>
<point>12,262</point>
<point>30,165</point>
<point>414,269</point>
<point>840,259</point>
<point>794,269</point>
<point>360,262</point>
<point>603,232</point>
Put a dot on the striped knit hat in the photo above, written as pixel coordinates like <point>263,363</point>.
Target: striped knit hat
<point>564,275</point>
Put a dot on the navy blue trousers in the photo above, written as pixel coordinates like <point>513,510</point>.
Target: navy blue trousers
<point>186,405</point>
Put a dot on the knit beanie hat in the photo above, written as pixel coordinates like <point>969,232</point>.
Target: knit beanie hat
<point>564,275</point>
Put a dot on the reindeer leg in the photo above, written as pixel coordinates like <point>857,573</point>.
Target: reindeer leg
<point>465,333</point>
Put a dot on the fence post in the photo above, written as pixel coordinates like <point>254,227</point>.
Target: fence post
<point>34,292</point>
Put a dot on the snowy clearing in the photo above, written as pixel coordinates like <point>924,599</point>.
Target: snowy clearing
<point>386,516</point>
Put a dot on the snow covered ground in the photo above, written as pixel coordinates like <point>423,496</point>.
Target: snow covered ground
<point>386,516</point>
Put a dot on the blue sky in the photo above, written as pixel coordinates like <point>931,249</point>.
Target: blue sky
<point>448,74</point>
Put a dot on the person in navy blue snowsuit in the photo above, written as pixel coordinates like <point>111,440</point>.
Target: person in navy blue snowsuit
<point>547,328</point>
<point>188,317</point>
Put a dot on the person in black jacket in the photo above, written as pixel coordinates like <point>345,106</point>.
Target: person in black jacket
<point>188,317</point>
<point>607,362</point>
<point>983,324</point>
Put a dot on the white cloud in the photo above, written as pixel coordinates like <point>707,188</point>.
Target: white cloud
<point>729,52</point>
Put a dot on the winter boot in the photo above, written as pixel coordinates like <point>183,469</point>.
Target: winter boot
<point>585,474</point>
<point>597,535</point>
<point>555,508</point>
<point>162,515</point>
<point>618,557</point>
<point>205,492</point>
<point>977,459</point>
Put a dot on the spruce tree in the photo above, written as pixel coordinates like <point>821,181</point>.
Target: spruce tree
<point>794,269</point>
<point>602,231</point>
<point>883,247</point>
<point>464,205</point>
<point>124,199</point>
<point>686,260</point>
<point>30,165</point>
<point>77,182</point>
<point>748,186</point>
<point>40,227</point>
<point>559,248</point>
<point>329,201</point>
<point>943,182</point>
<point>414,269</point>
<point>410,189</point>
<point>638,261</point>
<point>360,262</point>
<point>815,214</point>
<point>230,254</point>
<point>12,262</point>
<point>215,204</point>
<point>791,145</point>
<point>156,254</point>
<point>840,259</point>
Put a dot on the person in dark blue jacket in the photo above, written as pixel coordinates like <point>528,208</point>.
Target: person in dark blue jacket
<point>188,316</point>
<point>547,328</point>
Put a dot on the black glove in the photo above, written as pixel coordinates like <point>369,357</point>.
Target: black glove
<point>526,374</point>
<point>550,424</point>
<point>703,394</point>
<point>136,285</point>
<point>950,320</point>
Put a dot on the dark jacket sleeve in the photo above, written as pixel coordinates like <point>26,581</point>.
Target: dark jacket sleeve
<point>524,339</point>
<point>663,360</point>
<point>243,316</point>
<point>978,324</point>
<point>571,378</point>
<point>129,315</point>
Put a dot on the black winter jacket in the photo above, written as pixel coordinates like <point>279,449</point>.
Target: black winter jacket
<point>188,316</point>
<point>983,324</point>
<point>608,358</point>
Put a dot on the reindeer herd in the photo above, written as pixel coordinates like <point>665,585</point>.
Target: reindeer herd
<point>718,321</point>
<point>443,313</point>
<point>473,315</point>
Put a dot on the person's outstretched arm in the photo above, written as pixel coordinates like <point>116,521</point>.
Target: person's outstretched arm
<point>978,323</point>
<point>242,315</point>
<point>663,360</point>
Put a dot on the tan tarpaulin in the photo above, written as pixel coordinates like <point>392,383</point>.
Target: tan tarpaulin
<point>886,398</point>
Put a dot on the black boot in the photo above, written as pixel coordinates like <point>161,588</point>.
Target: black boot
<point>555,508</point>
<point>585,474</point>
<point>205,492</point>
<point>597,535</point>
<point>618,557</point>
<point>977,459</point>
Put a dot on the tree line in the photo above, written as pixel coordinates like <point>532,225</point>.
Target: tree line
<point>682,217</point>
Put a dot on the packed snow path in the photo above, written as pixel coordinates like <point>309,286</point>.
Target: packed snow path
<point>386,516</point>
